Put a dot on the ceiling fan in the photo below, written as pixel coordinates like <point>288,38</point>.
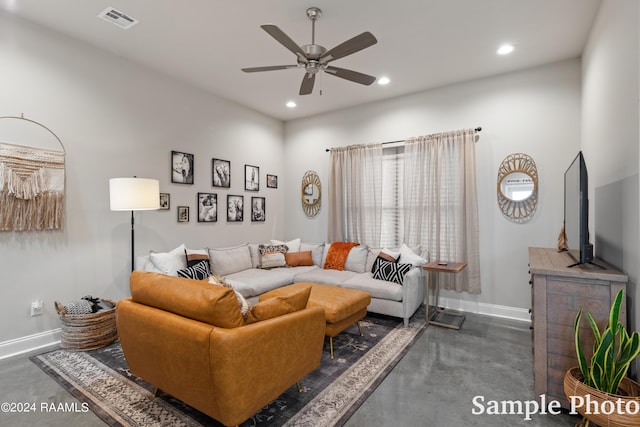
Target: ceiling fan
<point>313,57</point>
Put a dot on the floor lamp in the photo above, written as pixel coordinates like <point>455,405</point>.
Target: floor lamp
<point>134,194</point>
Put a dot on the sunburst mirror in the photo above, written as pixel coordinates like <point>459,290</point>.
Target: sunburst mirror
<point>311,192</point>
<point>518,187</point>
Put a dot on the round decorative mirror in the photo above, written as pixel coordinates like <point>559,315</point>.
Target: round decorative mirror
<point>311,193</point>
<point>518,187</point>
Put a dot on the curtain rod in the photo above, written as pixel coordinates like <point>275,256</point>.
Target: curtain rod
<point>478,129</point>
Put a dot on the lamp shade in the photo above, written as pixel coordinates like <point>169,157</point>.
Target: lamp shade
<point>134,194</point>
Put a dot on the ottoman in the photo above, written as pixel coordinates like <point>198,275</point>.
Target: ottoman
<point>342,307</point>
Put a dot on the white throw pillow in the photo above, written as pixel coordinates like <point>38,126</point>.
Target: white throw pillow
<point>408,256</point>
<point>169,262</point>
<point>293,245</point>
<point>317,249</point>
<point>357,259</point>
<point>230,260</point>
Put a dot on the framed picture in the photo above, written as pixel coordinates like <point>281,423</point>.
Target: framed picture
<point>181,167</point>
<point>165,201</point>
<point>235,208</point>
<point>251,178</point>
<point>257,209</point>
<point>183,213</point>
<point>272,181</point>
<point>207,207</point>
<point>221,173</point>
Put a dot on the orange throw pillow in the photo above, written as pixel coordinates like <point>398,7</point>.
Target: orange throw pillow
<point>297,259</point>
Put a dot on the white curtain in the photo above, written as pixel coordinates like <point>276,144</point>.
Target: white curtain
<point>355,194</point>
<point>440,203</point>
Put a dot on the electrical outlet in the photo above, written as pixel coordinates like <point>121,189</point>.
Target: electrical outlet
<point>36,308</point>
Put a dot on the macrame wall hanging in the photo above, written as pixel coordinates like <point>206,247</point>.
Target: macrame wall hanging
<point>31,177</point>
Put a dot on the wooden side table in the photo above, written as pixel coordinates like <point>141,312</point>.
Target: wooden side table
<point>441,315</point>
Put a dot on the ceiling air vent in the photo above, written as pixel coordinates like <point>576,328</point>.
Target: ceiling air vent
<point>118,18</point>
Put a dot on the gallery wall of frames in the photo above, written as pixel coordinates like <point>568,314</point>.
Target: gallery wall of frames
<point>210,205</point>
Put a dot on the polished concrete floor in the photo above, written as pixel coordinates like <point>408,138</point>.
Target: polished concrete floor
<point>435,384</point>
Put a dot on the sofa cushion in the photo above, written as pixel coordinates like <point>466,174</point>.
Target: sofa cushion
<point>255,281</point>
<point>254,252</point>
<point>298,259</point>
<point>380,289</point>
<point>391,271</point>
<point>293,245</point>
<point>357,259</point>
<point>169,262</point>
<point>197,271</point>
<point>272,256</point>
<point>229,260</point>
<point>326,277</point>
<point>194,299</point>
<point>317,251</point>
<point>335,255</point>
<point>280,305</point>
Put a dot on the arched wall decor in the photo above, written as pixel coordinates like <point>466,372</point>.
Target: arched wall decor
<point>518,187</point>
<point>32,176</point>
<point>311,193</point>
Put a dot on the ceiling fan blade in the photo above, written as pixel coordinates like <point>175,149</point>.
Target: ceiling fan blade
<point>353,45</point>
<point>350,75</point>
<point>285,40</point>
<point>268,68</point>
<point>307,83</point>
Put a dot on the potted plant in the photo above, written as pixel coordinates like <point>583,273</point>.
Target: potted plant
<point>600,391</point>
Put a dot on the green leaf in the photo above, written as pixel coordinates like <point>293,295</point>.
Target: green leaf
<point>614,314</point>
<point>582,361</point>
<point>596,331</point>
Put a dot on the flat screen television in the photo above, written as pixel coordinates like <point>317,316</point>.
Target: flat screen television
<point>576,212</point>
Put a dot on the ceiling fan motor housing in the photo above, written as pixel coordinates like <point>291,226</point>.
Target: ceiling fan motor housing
<point>313,51</point>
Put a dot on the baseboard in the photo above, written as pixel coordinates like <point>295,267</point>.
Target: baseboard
<point>29,343</point>
<point>494,310</point>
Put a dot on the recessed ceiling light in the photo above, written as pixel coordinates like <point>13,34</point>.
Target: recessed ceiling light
<point>505,49</point>
<point>383,80</point>
<point>291,104</point>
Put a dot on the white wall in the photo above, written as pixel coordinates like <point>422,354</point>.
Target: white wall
<point>536,112</point>
<point>117,119</point>
<point>611,139</point>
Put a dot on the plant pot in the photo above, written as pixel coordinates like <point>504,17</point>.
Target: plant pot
<point>593,408</point>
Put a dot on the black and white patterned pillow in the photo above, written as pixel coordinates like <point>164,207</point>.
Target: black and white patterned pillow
<point>391,271</point>
<point>197,271</point>
<point>382,256</point>
<point>272,256</point>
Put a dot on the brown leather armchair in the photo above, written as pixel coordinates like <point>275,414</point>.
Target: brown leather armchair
<point>189,339</point>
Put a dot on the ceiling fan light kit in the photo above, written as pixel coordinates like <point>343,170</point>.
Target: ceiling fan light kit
<point>314,57</point>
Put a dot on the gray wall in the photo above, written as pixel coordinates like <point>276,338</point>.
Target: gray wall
<point>611,139</point>
<point>536,111</point>
<point>117,119</point>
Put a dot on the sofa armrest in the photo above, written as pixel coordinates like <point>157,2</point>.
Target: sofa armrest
<point>413,291</point>
<point>252,365</point>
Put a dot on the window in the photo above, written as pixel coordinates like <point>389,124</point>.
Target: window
<point>392,227</point>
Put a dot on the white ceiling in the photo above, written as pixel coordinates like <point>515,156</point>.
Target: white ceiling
<point>422,44</point>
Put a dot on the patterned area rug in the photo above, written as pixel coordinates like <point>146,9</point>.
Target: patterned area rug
<point>331,393</point>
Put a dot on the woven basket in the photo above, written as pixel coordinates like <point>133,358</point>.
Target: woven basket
<point>573,386</point>
<point>87,331</point>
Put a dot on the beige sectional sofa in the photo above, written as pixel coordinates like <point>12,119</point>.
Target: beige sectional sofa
<point>241,267</point>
